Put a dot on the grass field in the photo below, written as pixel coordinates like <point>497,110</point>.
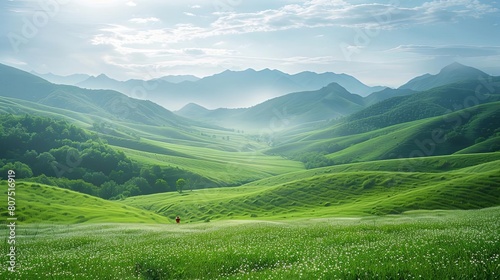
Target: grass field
<point>371,188</point>
<point>415,245</point>
<point>273,219</point>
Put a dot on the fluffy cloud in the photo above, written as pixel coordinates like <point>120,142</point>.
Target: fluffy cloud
<point>314,13</point>
<point>454,51</point>
<point>320,13</point>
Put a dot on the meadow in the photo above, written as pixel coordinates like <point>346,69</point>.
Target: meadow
<point>414,245</point>
<point>360,189</point>
<point>255,209</point>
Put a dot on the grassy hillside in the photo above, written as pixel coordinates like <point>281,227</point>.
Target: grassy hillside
<point>108,104</point>
<point>350,190</point>
<point>36,203</point>
<point>223,167</point>
<point>223,157</point>
<point>473,129</point>
<point>421,105</point>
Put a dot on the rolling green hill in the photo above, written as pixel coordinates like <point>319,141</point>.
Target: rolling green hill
<point>421,105</point>
<point>222,167</point>
<point>374,188</point>
<point>471,129</point>
<point>436,149</point>
<point>384,94</point>
<point>38,203</point>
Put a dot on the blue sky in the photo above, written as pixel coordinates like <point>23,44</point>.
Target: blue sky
<point>380,43</point>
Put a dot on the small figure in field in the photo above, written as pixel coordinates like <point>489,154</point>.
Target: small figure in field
<point>178,219</point>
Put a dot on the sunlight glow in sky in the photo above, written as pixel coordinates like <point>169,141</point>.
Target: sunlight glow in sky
<point>380,43</point>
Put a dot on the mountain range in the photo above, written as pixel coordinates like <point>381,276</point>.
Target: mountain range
<point>18,87</point>
<point>229,89</point>
<point>329,126</point>
<point>334,101</point>
<point>319,107</point>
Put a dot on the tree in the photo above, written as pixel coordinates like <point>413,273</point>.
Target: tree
<point>180,184</point>
<point>108,190</point>
<point>95,178</point>
<point>22,170</point>
<point>138,186</point>
<point>160,186</point>
<point>45,164</point>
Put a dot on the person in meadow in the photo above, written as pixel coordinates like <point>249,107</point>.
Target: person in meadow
<point>178,219</point>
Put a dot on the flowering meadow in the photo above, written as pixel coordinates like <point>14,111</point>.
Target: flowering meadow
<point>416,245</point>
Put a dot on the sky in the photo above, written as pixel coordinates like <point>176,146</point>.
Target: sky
<point>380,43</point>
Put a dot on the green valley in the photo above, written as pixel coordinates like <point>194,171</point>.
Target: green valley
<point>321,184</point>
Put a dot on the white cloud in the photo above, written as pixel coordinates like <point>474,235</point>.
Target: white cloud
<point>159,43</point>
<point>131,4</point>
<point>314,13</point>
<point>189,14</point>
<point>13,61</point>
<point>452,50</point>
<point>318,13</point>
<point>144,20</point>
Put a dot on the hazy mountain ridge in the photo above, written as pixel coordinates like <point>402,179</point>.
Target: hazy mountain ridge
<point>228,89</point>
<point>452,73</point>
<point>293,109</point>
<point>19,84</point>
<point>330,102</point>
<point>62,80</point>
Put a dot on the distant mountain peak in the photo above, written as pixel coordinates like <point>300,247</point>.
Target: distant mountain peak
<point>191,106</point>
<point>449,74</point>
<point>335,86</point>
<point>193,110</point>
<point>455,66</point>
<point>102,76</point>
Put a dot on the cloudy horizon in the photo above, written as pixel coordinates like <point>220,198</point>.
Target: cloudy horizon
<point>380,43</point>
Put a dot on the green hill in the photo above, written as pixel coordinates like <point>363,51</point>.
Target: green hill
<point>108,104</point>
<point>38,203</point>
<point>421,105</point>
<point>384,94</point>
<point>452,73</point>
<point>436,149</point>
<point>346,190</point>
<point>220,167</point>
<point>458,131</point>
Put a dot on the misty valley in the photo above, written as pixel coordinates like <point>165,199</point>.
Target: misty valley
<point>250,175</point>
